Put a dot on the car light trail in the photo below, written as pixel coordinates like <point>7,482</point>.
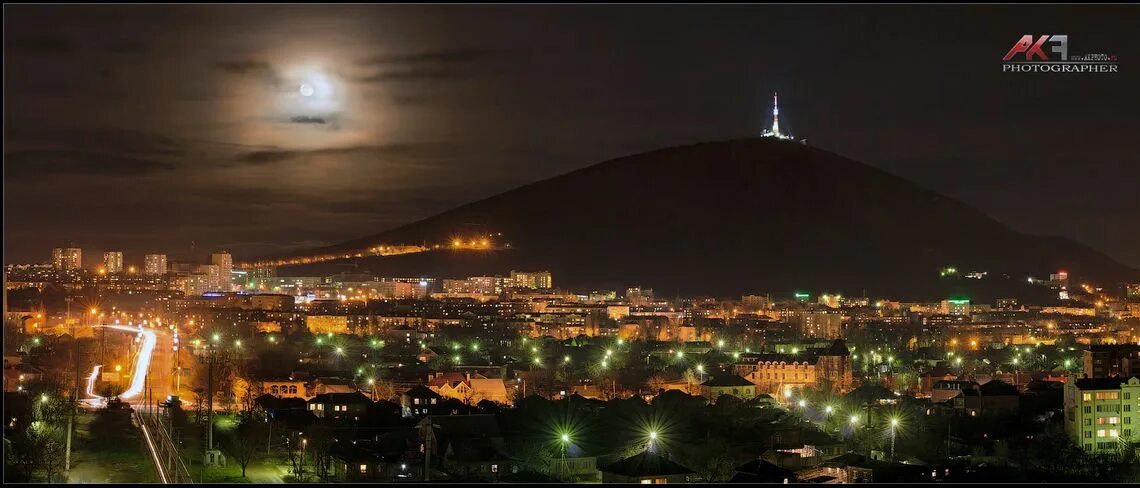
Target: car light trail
<point>95,400</point>
<point>142,365</point>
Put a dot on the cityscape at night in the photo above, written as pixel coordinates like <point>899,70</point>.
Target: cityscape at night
<point>644,244</point>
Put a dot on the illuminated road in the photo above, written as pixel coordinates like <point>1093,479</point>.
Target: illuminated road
<point>151,371</point>
<point>143,369</point>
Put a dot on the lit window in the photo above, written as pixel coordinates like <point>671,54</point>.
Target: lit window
<point>1086,396</point>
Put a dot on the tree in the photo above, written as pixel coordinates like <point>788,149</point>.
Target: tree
<point>244,442</point>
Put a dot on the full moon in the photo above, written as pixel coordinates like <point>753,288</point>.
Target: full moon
<point>307,90</point>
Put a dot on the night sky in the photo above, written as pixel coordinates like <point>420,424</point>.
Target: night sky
<point>259,128</point>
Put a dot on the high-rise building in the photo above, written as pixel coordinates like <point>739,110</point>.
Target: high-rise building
<point>638,296</point>
<point>955,307</point>
<point>113,261</point>
<point>756,302</point>
<point>531,279</point>
<point>1102,414</point>
<point>1104,360</point>
<point>154,264</point>
<point>67,258</point>
<point>210,276</point>
<point>261,273</point>
<point>821,323</point>
<point>225,263</point>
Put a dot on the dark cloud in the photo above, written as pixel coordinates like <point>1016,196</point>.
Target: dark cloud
<point>41,45</point>
<point>413,74</point>
<point>305,119</point>
<point>446,56</point>
<point>438,65</point>
<point>254,68</point>
<point>127,46</point>
<point>42,163</point>
<point>409,150</point>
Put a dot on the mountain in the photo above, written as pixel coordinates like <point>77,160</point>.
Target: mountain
<point>732,217</point>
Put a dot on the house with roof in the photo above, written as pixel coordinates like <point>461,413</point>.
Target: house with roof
<point>469,388</point>
<point>857,468</point>
<point>386,458</point>
<point>728,384</point>
<point>761,471</point>
<point>339,405</point>
<point>330,384</point>
<point>419,401</point>
<point>971,399</point>
<point>647,468</point>
<point>468,447</point>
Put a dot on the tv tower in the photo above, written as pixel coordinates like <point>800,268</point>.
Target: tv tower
<point>775,130</point>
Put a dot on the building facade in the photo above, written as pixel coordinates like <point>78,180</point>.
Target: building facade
<point>154,264</point>
<point>1101,414</point>
<point>113,261</point>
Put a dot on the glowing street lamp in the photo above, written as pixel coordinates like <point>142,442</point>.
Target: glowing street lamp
<point>854,420</point>
<point>894,427</point>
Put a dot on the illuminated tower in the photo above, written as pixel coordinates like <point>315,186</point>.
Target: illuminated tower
<point>776,114</point>
<point>775,130</point>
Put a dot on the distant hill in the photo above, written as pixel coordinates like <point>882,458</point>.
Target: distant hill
<point>725,218</point>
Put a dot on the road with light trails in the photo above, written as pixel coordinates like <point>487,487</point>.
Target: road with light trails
<point>150,384</point>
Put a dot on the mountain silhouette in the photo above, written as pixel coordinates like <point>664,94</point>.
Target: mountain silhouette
<point>732,217</point>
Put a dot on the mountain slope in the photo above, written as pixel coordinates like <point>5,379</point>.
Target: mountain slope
<point>732,217</point>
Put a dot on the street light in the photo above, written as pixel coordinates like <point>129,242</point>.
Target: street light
<point>894,426</point>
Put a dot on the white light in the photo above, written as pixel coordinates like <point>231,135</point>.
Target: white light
<point>307,90</point>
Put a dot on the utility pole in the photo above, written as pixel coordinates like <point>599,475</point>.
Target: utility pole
<point>210,400</point>
<point>427,447</point>
<point>74,392</point>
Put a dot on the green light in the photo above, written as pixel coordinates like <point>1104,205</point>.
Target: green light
<point>854,419</point>
<point>339,350</point>
<point>216,337</point>
<point>565,438</point>
<point>320,340</point>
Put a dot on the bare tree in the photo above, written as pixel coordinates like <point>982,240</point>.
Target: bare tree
<point>244,442</point>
